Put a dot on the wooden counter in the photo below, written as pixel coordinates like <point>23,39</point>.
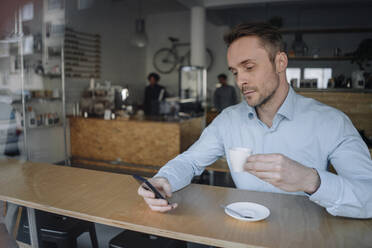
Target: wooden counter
<point>148,143</point>
<point>112,199</point>
<point>356,105</point>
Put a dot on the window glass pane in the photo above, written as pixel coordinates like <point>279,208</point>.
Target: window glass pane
<point>293,76</point>
<point>322,75</point>
<point>28,12</point>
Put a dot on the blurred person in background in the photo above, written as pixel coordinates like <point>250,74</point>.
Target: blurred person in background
<point>225,95</point>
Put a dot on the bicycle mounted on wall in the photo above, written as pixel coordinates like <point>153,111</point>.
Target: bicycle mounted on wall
<point>165,60</point>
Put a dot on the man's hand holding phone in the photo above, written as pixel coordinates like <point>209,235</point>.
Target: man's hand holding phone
<point>157,204</point>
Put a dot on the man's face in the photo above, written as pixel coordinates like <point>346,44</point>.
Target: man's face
<point>255,74</point>
<point>152,81</point>
<point>222,80</point>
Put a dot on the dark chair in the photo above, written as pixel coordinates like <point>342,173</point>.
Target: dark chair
<point>130,239</point>
<point>58,231</point>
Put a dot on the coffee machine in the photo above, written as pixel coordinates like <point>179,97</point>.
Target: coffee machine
<point>101,97</point>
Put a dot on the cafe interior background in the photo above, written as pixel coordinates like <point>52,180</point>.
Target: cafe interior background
<point>64,63</point>
<point>74,72</point>
<point>112,46</point>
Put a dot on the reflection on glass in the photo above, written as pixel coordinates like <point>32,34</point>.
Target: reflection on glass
<point>10,126</point>
<point>11,108</point>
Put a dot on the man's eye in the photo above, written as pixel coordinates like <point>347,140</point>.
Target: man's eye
<point>234,73</point>
<point>249,68</point>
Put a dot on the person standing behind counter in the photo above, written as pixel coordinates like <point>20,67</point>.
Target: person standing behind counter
<point>294,138</point>
<point>154,94</point>
<point>225,95</point>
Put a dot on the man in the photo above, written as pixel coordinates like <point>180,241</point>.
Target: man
<point>154,93</point>
<point>293,138</point>
<point>225,95</point>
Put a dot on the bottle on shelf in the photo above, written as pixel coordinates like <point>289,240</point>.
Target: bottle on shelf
<point>45,117</point>
<point>31,117</point>
<point>50,119</point>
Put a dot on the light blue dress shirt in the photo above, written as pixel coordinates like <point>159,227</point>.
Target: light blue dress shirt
<point>304,130</point>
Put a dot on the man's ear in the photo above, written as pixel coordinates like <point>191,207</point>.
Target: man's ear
<point>281,62</point>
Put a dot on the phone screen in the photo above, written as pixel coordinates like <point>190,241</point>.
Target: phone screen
<point>148,186</point>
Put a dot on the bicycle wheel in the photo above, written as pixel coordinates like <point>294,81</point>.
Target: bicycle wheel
<point>208,56</point>
<point>164,60</point>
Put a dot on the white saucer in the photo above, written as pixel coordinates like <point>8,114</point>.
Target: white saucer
<point>257,211</point>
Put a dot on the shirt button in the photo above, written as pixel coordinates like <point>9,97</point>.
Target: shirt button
<point>250,116</point>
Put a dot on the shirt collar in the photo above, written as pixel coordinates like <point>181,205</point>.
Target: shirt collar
<point>251,110</point>
<point>288,107</point>
<point>286,110</point>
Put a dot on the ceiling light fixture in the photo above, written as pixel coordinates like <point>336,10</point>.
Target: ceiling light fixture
<point>140,37</point>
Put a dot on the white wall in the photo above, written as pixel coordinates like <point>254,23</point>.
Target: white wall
<point>121,63</point>
<point>177,24</point>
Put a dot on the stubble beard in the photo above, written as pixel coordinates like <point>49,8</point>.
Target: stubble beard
<point>263,101</point>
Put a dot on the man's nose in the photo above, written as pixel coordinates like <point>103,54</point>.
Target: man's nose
<point>241,78</point>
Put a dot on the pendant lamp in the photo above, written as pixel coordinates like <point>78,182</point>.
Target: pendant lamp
<point>140,37</point>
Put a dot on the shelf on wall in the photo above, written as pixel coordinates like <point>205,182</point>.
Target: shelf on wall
<point>45,127</point>
<point>74,32</point>
<point>81,59</point>
<point>333,90</point>
<point>74,71</point>
<point>74,38</point>
<point>327,30</point>
<point>70,60</point>
<point>82,44</point>
<point>39,100</point>
<point>321,58</point>
<point>75,48</point>
<point>49,75</point>
<point>82,75</point>
<point>82,65</point>
<point>82,54</point>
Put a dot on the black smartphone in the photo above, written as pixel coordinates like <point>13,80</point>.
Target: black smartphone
<point>149,186</point>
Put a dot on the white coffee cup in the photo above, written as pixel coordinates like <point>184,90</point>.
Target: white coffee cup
<point>238,157</point>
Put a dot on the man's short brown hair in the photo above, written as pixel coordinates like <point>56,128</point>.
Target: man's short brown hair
<point>269,36</point>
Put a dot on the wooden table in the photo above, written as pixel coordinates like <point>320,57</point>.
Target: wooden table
<point>112,199</point>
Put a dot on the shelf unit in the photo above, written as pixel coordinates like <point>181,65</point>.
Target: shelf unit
<point>38,100</point>
<point>45,127</point>
<point>348,90</point>
<point>53,26</point>
<point>325,56</point>
<point>321,58</point>
<point>328,30</point>
<point>82,54</point>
